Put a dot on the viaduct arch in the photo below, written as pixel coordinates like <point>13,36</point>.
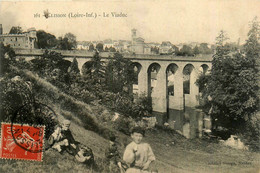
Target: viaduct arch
<point>168,80</point>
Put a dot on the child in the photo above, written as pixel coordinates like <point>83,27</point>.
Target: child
<point>62,138</point>
<point>138,155</point>
<point>84,155</point>
<point>112,155</point>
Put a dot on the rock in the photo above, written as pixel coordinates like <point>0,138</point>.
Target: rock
<point>235,142</point>
<point>116,116</point>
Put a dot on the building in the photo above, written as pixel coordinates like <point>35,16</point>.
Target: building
<point>108,43</point>
<point>138,45</point>
<point>25,40</point>
<point>83,45</point>
<point>166,47</point>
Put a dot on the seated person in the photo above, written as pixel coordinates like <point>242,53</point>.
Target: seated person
<point>62,138</point>
<point>112,154</point>
<point>138,155</point>
<point>84,154</point>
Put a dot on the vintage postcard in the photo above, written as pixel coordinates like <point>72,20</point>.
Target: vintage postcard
<point>127,86</point>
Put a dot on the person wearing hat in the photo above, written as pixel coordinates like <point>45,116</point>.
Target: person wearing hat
<point>138,155</point>
<point>62,137</point>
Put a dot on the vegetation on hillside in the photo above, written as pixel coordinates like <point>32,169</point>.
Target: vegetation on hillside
<point>231,90</point>
<point>92,87</point>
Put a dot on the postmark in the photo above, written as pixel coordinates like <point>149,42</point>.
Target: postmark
<point>24,137</point>
<point>19,141</point>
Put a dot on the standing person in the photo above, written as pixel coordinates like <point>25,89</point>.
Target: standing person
<point>138,155</point>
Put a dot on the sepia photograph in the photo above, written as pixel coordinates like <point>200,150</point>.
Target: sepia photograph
<point>127,86</point>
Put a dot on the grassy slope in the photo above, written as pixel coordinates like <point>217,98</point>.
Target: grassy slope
<point>182,156</point>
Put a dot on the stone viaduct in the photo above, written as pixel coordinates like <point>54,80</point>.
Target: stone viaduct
<point>155,74</point>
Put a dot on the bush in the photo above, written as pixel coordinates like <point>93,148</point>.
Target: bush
<point>251,136</point>
<point>14,93</point>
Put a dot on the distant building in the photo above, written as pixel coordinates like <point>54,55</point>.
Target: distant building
<point>166,47</point>
<point>25,40</point>
<point>83,45</point>
<point>108,43</point>
<point>138,45</point>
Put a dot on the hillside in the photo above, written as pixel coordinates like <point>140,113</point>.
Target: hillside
<point>173,152</point>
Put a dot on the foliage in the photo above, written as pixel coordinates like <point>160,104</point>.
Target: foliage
<point>53,67</point>
<point>16,30</point>
<point>7,55</point>
<point>204,49</point>
<point>233,85</point>
<point>14,94</point>
<point>95,70</point>
<point>202,82</point>
<point>124,104</point>
<point>175,48</point>
<point>46,40</point>
<point>196,50</point>
<point>69,42</point>
<point>74,66</point>
<point>119,74</point>
<point>106,49</point>
<point>91,47</point>
<point>185,51</point>
<point>99,47</point>
<point>112,49</point>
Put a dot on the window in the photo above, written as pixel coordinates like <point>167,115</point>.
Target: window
<point>15,38</point>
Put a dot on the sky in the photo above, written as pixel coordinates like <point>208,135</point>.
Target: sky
<point>177,21</point>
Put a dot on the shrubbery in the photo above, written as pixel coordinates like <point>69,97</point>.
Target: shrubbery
<point>230,92</point>
<point>97,84</point>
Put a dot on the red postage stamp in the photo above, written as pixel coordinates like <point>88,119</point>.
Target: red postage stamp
<point>20,141</point>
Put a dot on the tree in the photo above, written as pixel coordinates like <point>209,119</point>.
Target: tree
<point>204,49</point>
<point>74,66</point>
<point>119,74</point>
<point>16,30</point>
<point>233,84</point>
<point>112,49</point>
<point>7,56</point>
<point>106,49</point>
<point>96,71</point>
<point>175,49</point>
<point>185,51</point>
<point>63,44</point>
<point>252,53</point>
<point>99,47</point>
<point>71,40</point>
<point>91,47</point>
<point>46,40</point>
<point>68,42</point>
<point>196,50</point>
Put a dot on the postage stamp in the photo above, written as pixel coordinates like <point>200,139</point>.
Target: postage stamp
<point>19,141</point>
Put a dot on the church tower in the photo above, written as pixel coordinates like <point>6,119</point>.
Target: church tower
<point>133,36</point>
